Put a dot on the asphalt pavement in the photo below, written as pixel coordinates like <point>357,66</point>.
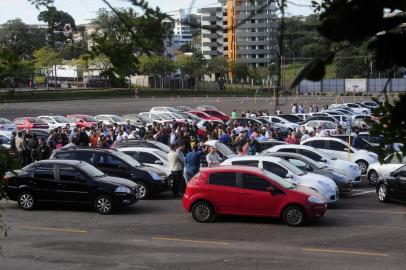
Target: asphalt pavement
<point>357,233</point>
<point>135,105</point>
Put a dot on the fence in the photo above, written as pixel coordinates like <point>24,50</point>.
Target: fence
<point>342,86</point>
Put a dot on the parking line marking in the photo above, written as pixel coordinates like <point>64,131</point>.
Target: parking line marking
<point>374,211</point>
<point>52,229</point>
<point>190,241</point>
<point>361,193</point>
<point>345,252</point>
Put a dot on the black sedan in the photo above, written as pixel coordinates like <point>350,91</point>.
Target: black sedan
<point>71,182</point>
<point>392,187</point>
<point>342,180</point>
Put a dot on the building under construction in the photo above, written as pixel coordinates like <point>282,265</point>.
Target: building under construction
<point>241,30</point>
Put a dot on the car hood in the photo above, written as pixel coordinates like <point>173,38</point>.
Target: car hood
<point>317,179</point>
<point>147,168</point>
<point>385,169</point>
<point>117,181</point>
<point>306,191</point>
<point>222,148</point>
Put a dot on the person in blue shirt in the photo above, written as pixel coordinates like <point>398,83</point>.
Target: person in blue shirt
<point>225,138</point>
<point>357,141</point>
<point>193,162</point>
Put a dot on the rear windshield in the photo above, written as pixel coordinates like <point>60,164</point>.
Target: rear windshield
<point>5,121</point>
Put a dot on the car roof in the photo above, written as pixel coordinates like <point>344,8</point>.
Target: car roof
<point>323,139</point>
<point>144,149</point>
<point>74,148</point>
<point>233,168</point>
<point>256,157</point>
<point>60,161</point>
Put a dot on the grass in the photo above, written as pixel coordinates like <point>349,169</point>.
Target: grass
<point>290,71</point>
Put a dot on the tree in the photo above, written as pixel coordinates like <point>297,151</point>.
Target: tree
<point>156,65</point>
<point>21,38</point>
<point>60,25</point>
<point>240,71</point>
<point>352,62</point>
<point>46,59</point>
<point>219,67</point>
<point>192,66</point>
<point>13,69</point>
<point>122,35</point>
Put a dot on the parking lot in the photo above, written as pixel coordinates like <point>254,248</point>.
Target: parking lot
<point>357,233</point>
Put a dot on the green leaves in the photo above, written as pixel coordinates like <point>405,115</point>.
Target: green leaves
<point>314,70</point>
<point>391,126</point>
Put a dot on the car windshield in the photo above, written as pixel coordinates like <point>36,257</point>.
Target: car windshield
<point>291,118</point>
<point>5,121</point>
<point>323,154</point>
<point>35,120</point>
<point>117,118</point>
<point>61,119</point>
<point>128,159</point>
<point>328,125</point>
<point>177,115</point>
<point>89,118</point>
<point>165,116</point>
<point>291,167</point>
<point>90,170</point>
<point>279,180</point>
<point>192,116</point>
<point>395,159</point>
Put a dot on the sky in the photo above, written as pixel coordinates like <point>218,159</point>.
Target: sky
<point>84,10</point>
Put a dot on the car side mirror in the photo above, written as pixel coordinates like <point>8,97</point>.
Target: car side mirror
<point>308,168</point>
<point>393,174</point>
<point>271,190</point>
<point>289,175</point>
<point>158,162</point>
<point>323,160</point>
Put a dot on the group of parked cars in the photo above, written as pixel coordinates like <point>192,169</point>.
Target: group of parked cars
<point>293,182</point>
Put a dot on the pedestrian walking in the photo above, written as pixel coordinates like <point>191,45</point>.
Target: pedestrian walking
<point>176,163</point>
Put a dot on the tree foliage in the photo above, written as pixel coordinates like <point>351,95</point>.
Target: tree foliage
<point>13,69</point>
<point>156,65</point>
<point>21,38</point>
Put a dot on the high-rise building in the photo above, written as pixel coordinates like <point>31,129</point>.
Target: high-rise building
<point>241,30</point>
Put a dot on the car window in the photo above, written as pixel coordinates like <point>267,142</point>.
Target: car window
<point>252,163</point>
<point>70,174</point>
<point>146,158</point>
<point>108,161</point>
<point>44,171</point>
<point>254,182</point>
<point>311,155</point>
<point>275,168</point>
<point>63,155</point>
<point>320,144</point>
<point>336,146</point>
<point>402,172</point>
<point>287,150</point>
<point>4,139</point>
<point>276,120</point>
<point>297,163</point>
<point>223,179</point>
<point>86,156</point>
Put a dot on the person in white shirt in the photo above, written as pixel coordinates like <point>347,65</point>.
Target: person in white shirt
<point>176,162</point>
<point>213,159</point>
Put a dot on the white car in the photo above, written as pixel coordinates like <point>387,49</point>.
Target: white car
<point>5,138</point>
<point>391,163</point>
<point>149,156</point>
<point>163,109</point>
<point>341,119</point>
<point>370,104</point>
<point>313,125</point>
<point>110,119</point>
<point>56,121</point>
<point>221,148</point>
<point>357,108</point>
<point>173,113</point>
<point>279,122</point>
<point>339,149</point>
<point>303,116</point>
<point>7,125</point>
<point>350,168</point>
<point>322,184</point>
<point>202,124</point>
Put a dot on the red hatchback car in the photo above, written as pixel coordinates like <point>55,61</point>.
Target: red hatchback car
<point>82,120</point>
<point>203,116</point>
<point>217,114</point>
<point>27,123</point>
<point>242,190</point>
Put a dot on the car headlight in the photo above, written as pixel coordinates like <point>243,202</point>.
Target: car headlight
<point>315,199</point>
<point>123,190</point>
<point>155,176</point>
<point>355,167</point>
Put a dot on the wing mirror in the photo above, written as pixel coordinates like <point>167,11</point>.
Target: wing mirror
<point>272,190</point>
<point>393,174</point>
<point>289,175</point>
<point>308,168</point>
<point>158,162</point>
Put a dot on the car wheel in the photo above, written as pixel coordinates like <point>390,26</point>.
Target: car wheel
<point>143,190</point>
<point>293,216</point>
<point>103,204</point>
<point>26,200</point>
<point>202,212</point>
<point>383,193</point>
<point>373,177</point>
<point>363,165</point>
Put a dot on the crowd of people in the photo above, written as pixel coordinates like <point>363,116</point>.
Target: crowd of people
<point>188,152</point>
